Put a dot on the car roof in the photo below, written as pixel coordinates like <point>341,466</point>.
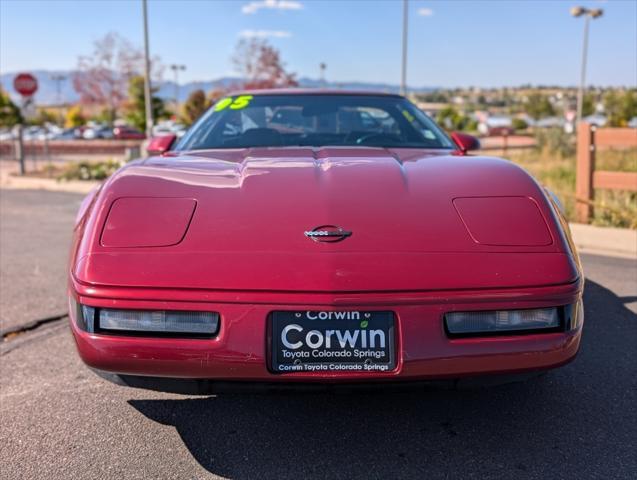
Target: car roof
<point>313,91</point>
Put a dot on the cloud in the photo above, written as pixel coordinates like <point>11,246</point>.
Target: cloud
<point>425,12</point>
<point>253,7</point>
<point>265,34</point>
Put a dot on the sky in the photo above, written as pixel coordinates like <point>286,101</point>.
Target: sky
<point>454,43</point>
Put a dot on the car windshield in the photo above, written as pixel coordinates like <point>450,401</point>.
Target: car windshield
<point>318,120</point>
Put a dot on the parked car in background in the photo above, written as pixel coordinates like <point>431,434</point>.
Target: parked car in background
<point>95,132</point>
<point>597,119</point>
<point>550,122</point>
<point>128,133</point>
<point>67,134</point>
<point>162,128</point>
<point>5,134</point>
<point>169,127</point>
<point>496,125</point>
<point>31,133</point>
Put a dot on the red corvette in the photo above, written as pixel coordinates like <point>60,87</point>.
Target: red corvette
<point>314,237</point>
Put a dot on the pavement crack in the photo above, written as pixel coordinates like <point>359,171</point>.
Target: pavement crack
<point>11,332</point>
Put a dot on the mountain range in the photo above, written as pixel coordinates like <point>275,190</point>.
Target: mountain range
<point>48,93</point>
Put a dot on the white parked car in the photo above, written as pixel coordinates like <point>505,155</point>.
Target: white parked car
<point>92,133</point>
<point>596,119</point>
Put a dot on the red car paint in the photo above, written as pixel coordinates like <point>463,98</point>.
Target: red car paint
<point>418,249</point>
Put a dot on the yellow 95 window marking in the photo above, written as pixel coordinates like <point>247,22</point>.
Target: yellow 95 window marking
<point>222,104</point>
<point>242,101</point>
<point>408,116</point>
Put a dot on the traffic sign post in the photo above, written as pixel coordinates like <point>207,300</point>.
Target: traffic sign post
<point>26,85</point>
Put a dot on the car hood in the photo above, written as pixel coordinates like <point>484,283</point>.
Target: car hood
<point>237,220</point>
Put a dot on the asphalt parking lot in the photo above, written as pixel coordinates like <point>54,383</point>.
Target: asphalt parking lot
<point>35,238</point>
<point>58,420</point>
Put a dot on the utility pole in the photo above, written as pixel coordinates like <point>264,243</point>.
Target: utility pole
<point>403,79</point>
<point>147,90</point>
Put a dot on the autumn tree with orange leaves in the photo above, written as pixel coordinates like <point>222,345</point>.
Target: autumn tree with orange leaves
<point>260,65</point>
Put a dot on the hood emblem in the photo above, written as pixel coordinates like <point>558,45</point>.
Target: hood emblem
<point>328,234</point>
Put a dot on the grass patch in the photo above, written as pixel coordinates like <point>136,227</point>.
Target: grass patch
<point>84,170</point>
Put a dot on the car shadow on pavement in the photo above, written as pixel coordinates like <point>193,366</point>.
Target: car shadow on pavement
<point>571,423</point>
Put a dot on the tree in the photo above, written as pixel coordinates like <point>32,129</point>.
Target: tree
<point>216,94</point>
<point>44,116</point>
<point>135,106</point>
<point>451,119</point>
<point>620,107</point>
<point>103,77</point>
<point>194,107</point>
<point>9,113</point>
<point>588,105</point>
<point>74,117</point>
<point>539,106</point>
<point>260,65</point>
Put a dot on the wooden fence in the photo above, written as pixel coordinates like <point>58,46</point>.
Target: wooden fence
<point>589,140</point>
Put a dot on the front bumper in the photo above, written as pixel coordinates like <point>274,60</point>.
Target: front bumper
<point>240,351</point>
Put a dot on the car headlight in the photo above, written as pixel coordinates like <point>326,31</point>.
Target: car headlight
<point>467,323</point>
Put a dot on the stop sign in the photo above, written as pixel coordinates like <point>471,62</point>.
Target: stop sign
<point>25,84</point>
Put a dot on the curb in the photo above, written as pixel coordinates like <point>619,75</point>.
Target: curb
<point>14,182</point>
<point>609,241</point>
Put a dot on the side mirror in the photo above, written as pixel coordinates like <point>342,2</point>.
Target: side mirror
<point>466,143</point>
<point>160,145</point>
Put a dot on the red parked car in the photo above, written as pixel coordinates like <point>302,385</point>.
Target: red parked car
<point>128,133</point>
<point>295,237</point>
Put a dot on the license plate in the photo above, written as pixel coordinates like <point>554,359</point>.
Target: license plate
<point>319,341</point>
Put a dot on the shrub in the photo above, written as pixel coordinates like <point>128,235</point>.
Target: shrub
<point>89,170</point>
<point>519,124</point>
<point>556,142</point>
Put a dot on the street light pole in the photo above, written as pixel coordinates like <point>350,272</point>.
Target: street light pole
<point>58,78</point>
<point>588,14</point>
<point>176,68</point>
<point>403,78</point>
<point>582,81</point>
<point>147,90</point>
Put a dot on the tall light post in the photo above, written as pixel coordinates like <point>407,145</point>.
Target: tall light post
<point>176,69</point>
<point>588,14</point>
<point>403,77</point>
<point>147,91</point>
<point>58,78</point>
<point>322,67</point>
